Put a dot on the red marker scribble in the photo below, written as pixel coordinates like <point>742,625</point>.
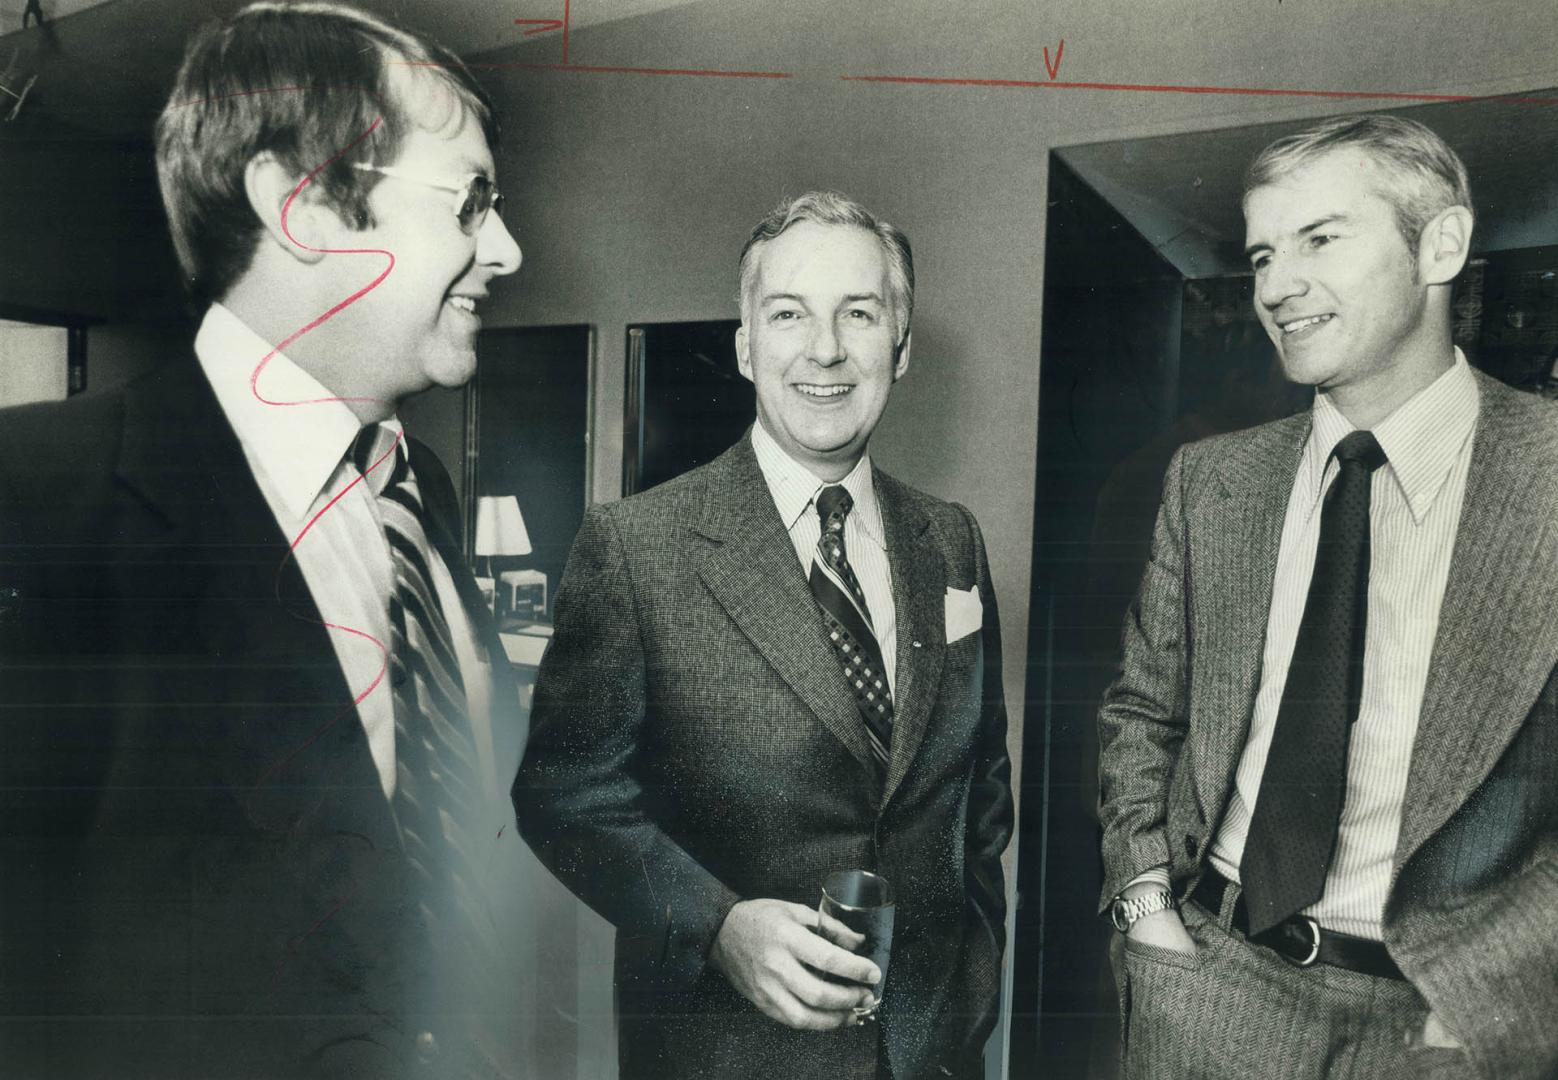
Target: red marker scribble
<point>254,385</point>
<point>254,379</point>
<point>1149,88</point>
<point>585,69</point>
<point>539,26</point>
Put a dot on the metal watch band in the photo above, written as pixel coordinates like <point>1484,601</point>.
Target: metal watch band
<point>1124,913</point>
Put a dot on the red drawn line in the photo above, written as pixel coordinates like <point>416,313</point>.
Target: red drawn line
<point>254,378</point>
<point>539,26</point>
<point>1261,91</point>
<point>254,381</point>
<point>286,957</point>
<point>588,70</point>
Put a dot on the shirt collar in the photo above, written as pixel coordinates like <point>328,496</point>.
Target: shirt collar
<point>299,447</point>
<point>794,487</point>
<point>1421,439</point>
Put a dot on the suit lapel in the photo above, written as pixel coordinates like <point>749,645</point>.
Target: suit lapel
<point>281,712</point>
<point>919,600</point>
<point>1497,640</point>
<point>1237,543</point>
<point>754,575</point>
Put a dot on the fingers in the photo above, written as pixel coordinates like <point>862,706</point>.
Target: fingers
<point>817,992</point>
<point>792,1011</point>
<point>837,932</point>
<point>819,953</point>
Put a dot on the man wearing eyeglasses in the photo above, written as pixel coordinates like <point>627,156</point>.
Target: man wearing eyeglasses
<point>253,748</point>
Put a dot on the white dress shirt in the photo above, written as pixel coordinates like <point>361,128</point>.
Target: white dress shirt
<point>298,454</point>
<point>1414,512</point>
<point>794,489</point>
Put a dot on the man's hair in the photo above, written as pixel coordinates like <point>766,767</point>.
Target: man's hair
<point>302,81</point>
<point>831,208</point>
<point>1427,175</point>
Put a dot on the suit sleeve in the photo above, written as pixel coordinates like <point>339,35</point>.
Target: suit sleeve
<point>577,800</point>
<point>989,824</point>
<point>1142,720</point>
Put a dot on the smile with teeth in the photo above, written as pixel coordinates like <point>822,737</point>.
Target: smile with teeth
<point>1305,323</point>
<point>464,303</point>
<point>832,391</point>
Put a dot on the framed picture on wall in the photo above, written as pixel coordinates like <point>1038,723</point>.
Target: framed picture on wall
<point>686,402</point>
<point>527,458</point>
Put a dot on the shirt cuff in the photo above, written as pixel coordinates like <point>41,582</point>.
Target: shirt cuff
<point>1158,875</point>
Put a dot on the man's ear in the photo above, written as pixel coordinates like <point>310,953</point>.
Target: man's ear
<point>901,360</point>
<point>743,356</point>
<point>1445,245</point>
<point>302,225</point>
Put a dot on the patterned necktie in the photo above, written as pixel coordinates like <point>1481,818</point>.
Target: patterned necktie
<point>848,622</point>
<point>1292,834</point>
<point>437,779</point>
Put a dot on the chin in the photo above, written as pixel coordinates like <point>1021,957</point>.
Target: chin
<point>452,372</point>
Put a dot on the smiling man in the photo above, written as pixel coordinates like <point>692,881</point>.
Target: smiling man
<point>254,750</point>
<point>1330,817</point>
<point>777,666</point>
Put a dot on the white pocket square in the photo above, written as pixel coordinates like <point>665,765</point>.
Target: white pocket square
<point>965,613</point>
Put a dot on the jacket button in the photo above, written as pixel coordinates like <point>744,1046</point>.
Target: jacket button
<point>427,1046</point>
<point>1191,846</point>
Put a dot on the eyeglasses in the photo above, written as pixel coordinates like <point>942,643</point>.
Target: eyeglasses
<point>473,196</point>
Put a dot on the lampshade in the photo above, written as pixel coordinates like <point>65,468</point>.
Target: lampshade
<point>500,530</point>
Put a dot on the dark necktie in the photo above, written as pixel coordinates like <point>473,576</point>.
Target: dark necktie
<point>847,620</point>
<point>1292,835</point>
<point>437,779</point>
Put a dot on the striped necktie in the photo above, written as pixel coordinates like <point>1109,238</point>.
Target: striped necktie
<point>847,620</point>
<point>437,796</point>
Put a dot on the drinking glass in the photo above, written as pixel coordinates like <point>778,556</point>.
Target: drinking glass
<point>864,902</point>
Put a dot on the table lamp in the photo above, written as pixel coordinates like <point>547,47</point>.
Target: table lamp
<point>500,531</point>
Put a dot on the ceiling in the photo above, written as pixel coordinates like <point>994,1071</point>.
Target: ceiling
<point>105,66</point>
<point>1182,192</point>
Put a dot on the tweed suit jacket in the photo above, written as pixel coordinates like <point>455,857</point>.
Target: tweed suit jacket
<point>200,875</point>
<point>693,744</point>
<point>1472,914</point>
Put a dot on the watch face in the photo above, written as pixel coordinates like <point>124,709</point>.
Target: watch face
<point>1119,916</point>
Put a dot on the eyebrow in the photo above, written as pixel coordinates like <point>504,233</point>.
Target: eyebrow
<point>852,298</point>
<point>1319,223</point>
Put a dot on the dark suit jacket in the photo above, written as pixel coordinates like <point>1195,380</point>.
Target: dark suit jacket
<point>694,745</point>
<point>1472,916</point>
<point>201,875</point>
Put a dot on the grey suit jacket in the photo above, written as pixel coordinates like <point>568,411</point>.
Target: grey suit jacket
<point>1472,916</point>
<point>693,744</point>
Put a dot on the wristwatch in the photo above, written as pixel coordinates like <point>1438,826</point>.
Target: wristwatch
<point>1124,913</point>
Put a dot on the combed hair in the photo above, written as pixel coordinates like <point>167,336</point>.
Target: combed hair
<point>302,81</point>
<point>831,208</point>
<point>1430,177</point>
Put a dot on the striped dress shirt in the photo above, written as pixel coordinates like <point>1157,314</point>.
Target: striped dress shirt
<point>794,490</point>
<point>1415,509</point>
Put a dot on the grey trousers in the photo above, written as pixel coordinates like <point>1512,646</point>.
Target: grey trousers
<point>1237,1011</point>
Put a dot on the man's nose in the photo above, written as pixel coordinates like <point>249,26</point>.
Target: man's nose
<point>1279,281</point>
<point>496,247</point>
<point>825,346</point>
